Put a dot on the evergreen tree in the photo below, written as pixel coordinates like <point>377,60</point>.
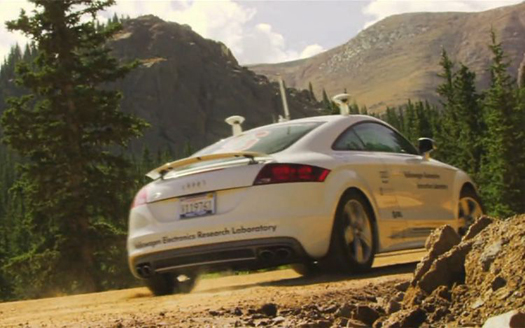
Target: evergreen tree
<point>311,92</point>
<point>69,129</point>
<point>354,108</point>
<point>503,166</point>
<point>327,103</point>
<point>469,122</point>
<point>447,131</point>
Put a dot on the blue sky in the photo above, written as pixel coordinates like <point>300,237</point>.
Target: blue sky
<point>267,31</point>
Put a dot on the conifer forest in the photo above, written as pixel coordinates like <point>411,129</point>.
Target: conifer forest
<point>67,177</point>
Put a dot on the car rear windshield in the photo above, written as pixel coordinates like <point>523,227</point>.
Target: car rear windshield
<point>268,140</point>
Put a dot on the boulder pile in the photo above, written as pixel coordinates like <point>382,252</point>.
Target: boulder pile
<point>467,281</point>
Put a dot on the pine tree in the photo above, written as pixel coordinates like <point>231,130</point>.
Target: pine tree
<point>327,103</point>
<point>68,130</point>
<point>469,122</point>
<point>311,92</point>
<point>503,166</point>
<point>447,131</point>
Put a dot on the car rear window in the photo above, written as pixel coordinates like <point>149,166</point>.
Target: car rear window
<point>268,140</point>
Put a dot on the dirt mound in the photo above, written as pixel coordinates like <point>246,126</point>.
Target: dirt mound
<point>469,281</point>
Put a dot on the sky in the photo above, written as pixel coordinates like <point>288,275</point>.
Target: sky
<point>265,31</point>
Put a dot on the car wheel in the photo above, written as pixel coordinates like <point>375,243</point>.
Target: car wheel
<point>306,269</point>
<point>469,209</point>
<point>168,283</point>
<point>185,283</point>
<point>353,243</point>
<point>161,284</point>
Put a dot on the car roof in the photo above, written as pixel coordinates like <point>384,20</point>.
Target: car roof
<point>325,118</point>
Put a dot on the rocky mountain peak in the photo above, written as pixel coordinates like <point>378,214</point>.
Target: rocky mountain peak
<point>187,85</point>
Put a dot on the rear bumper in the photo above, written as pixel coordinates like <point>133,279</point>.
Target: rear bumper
<point>298,211</point>
<point>237,255</point>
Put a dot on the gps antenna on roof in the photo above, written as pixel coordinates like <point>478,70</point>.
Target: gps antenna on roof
<point>235,121</point>
<point>285,103</point>
<point>341,101</point>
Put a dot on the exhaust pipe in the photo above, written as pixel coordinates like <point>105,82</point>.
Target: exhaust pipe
<point>266,255</point>
<point>144,270</point>
<point>283,253</point>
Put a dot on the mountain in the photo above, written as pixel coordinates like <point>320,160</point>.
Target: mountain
<point>398,57</point>
<point>186,86</point>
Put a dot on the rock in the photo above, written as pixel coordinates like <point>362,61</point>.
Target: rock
<point>512,319</point>
<point>322,323</point>
<point>489,255</point>
<point>498,282</point>
<point>392,307</point>
<point>443,293</point>
<point>315,324</point>
<point>269,309</point>
<point>402,286</point>
<point>477,227</point>
<point>440,241</point>
<point>278,320</point>
<point>330,309</point>
<point>340,322</point>
<point>406,318</point>
<point>399,297</point>
<point>414,296</point>
<point>449,268</point>
<point>356,324</point>
<point>365,314</point>
<point>345,311</point>
<point>478,303</point>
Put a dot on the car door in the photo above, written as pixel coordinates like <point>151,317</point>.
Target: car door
<point>422,187</point>
<point>370,166</point>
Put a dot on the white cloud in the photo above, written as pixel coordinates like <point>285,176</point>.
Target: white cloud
<point>10,10</point>
<point>379,9</point>
<point>311,50</point>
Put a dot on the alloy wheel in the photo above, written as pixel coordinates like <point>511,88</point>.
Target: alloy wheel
<point>358,231</point>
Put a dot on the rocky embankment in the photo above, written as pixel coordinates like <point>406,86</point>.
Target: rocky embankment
<point>472,281</point>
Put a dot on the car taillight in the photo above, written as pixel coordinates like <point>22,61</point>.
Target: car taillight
<point>141,198</point>
<point>281,173</point>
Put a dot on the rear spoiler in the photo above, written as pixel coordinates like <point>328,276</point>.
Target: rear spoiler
<point>160,171</point>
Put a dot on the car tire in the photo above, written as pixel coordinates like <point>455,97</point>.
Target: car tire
<point>470,208</point>
<point>306,269</point>
<point>184,284</point>
<point>353,242</point>
<point>168,283</point>
<point>161,284</point>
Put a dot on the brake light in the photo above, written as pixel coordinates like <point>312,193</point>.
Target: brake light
<point>282,173</point>
<point>141,198</point>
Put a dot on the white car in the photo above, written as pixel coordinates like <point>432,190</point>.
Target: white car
<point>327,192</point>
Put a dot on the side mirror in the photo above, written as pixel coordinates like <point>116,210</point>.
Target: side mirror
<point>426,146</point>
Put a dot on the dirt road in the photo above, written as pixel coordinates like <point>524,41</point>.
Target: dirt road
<point>223,301</point>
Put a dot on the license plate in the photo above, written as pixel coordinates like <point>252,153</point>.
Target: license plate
<point>200,205</point>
